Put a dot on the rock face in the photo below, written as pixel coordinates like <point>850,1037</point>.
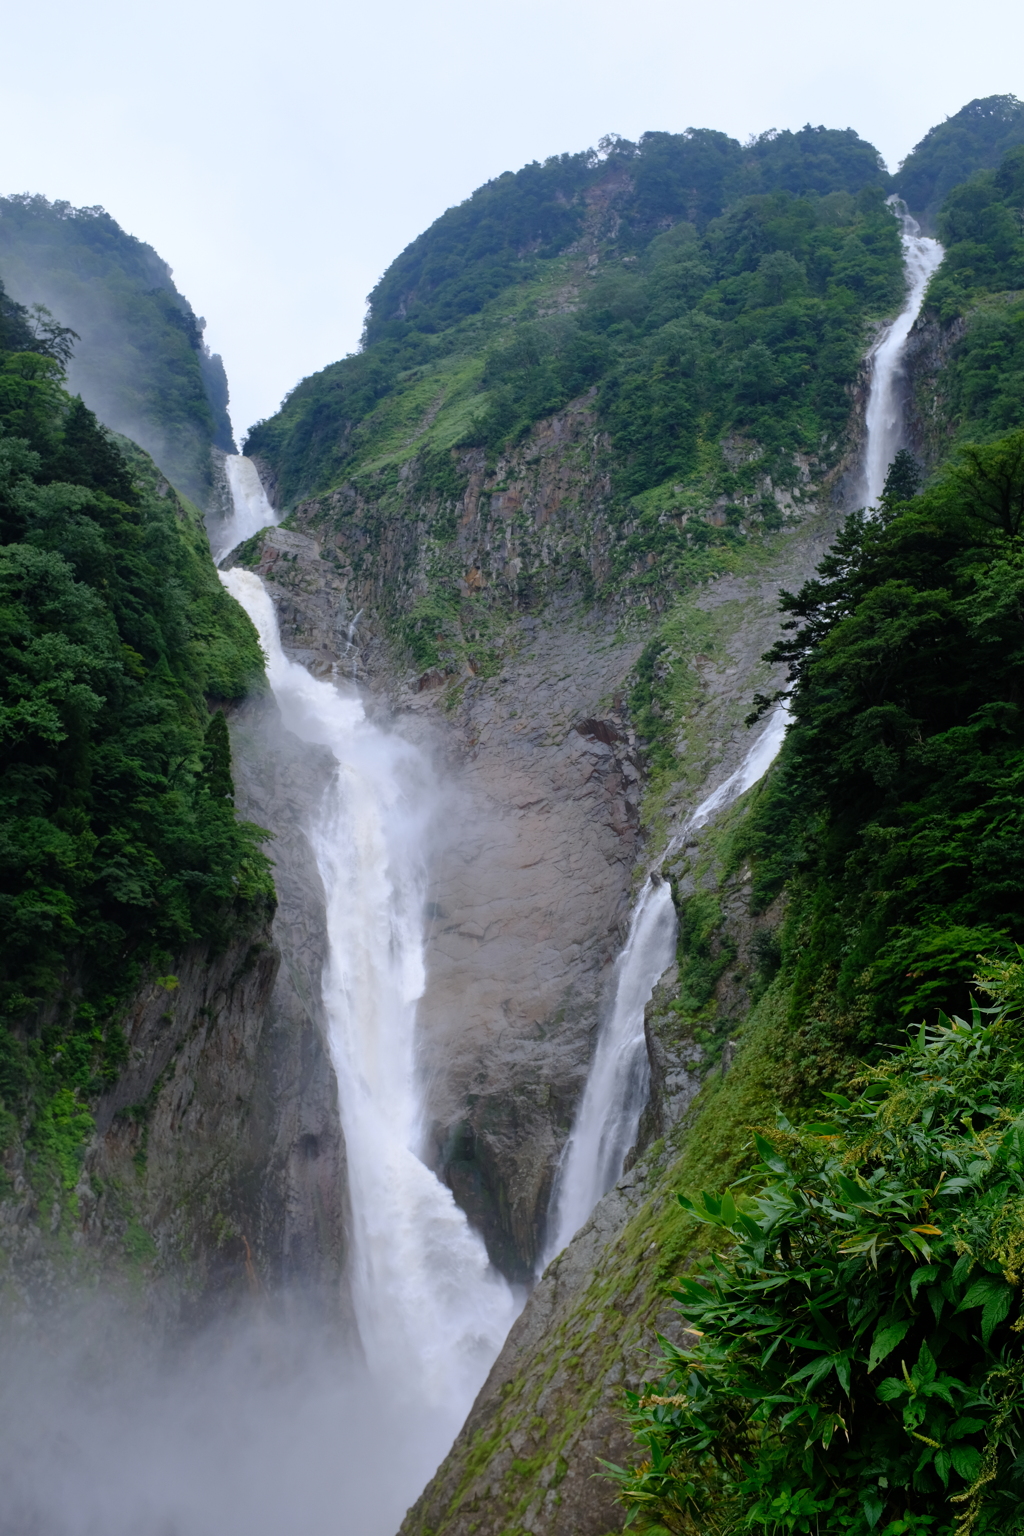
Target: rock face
<point>217,1166</point>
<point>538,831</point>
<point>536,838</point>
<point>529,903</point>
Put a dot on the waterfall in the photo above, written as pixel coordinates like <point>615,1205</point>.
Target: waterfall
<point>619,1079</point>
<point>251,509</point>
<point>431,1312</point>
<point>760,756</point>
<point>617,1085</point>
<point>884,415</point>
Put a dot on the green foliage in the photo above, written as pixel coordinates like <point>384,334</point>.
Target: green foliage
<point>757,328</point>
<point>140,362</point>
<point>118,839</point>
<point>895,808</point>
<point>983,381</point>
<point>35,330</point>
<point>58,1135</point>
<point>495,238</point>
<point>858,1364</point>
<point>754,327</point>
<point>973,139</point>
<point>982,229</point>
<point>650,211</point>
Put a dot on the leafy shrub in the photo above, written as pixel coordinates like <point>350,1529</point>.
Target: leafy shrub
<point>855,1362</point>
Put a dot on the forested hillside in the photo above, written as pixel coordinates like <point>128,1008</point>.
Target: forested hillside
<point>140,362</point>
<point>860,1360</point>
<point>706,308</point>
<point>606,420</point>
<point>119,840</point>
<point>973,139</point>
<point>623,272</point>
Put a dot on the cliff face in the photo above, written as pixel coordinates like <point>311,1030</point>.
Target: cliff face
<point>216,1168</point>
<point>526,713</point>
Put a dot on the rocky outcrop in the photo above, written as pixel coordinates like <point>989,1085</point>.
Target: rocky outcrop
<point>216,1171</point>
<point>524,711</point>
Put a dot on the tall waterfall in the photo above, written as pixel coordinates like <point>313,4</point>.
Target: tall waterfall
<point>616,1090</point>
<point>884,415</point>
<point>432,1314</point>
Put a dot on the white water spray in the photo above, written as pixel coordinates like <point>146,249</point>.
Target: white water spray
<point>251,509</point>
<point>619,1079</point>
<point>884,415</point>
<point>432,1314</point>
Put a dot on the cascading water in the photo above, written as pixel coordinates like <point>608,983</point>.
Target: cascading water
<point>432,1314</point>
<point>616,1090</point>
<point>617,1086</point>
<point>619,1080</point>
<point>251,510</point>
<point>754,766</point>
<point>883,418</point>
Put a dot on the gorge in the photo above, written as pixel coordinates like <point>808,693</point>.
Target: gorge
<point>390,1128</point>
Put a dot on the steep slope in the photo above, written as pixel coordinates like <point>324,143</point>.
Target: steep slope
<point>140,362</point>
<point>151,1108</point>
<point>841,898</point>
<point>973,139</point>
<point>574,408</point>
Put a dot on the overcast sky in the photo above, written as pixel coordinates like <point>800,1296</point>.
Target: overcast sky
<point>279,155</point>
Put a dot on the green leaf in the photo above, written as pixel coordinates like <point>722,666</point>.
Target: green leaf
<point>966,1461</point>
<point>925,1370</point>
<point>922,1273</point>
<point>873,1508</point>
<point>887,1336</point>
<point>768,1155</point>
<point>995,1296</point>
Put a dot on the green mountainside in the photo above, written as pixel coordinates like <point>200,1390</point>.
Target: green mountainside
<point>600,384</point>
<point>973,139</point>
<point>118,837</point>
<point>140,362</point>
<point>709,306</point>
<point>622,272</point>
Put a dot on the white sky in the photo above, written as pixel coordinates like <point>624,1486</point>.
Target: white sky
<point>279,155</point>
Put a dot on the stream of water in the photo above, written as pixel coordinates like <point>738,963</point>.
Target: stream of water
<point>884,416</point>
<point>617,1086</point>
<point>619,1079</point>
<point>432,1314</point>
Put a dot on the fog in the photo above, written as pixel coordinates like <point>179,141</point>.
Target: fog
<point>250,1428</point>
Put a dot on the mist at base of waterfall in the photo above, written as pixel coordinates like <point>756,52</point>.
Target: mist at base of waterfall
<point>257,1427</point>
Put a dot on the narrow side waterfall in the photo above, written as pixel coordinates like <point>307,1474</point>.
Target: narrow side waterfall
<point>619,1079</point>
<point>760,756</point>
<point>432,1314</point>
<point>616,1090</point>
<point>884,415</point>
